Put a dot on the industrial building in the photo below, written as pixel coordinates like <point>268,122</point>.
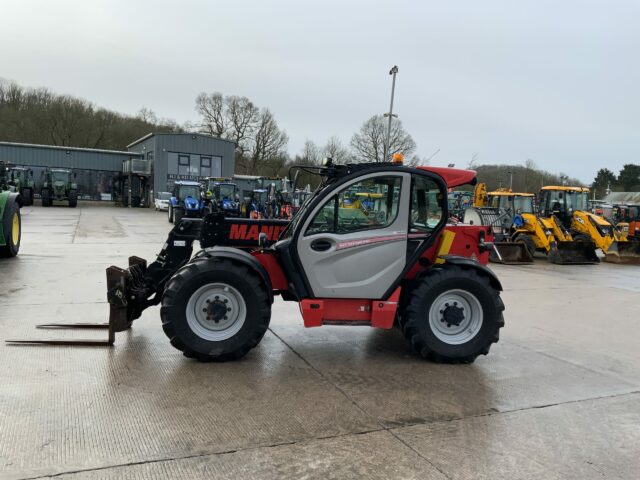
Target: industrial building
<point>150,164</point>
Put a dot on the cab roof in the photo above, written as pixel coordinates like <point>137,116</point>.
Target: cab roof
<point>566,189</point>
<point>186,182</point>
<point>453,177</point>
<point>509,194</point>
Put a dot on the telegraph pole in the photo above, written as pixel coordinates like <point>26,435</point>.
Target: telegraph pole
<point>387,145</point>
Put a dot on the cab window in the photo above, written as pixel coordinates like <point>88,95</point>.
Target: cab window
<point>369,204</point>
<point>426,205</point>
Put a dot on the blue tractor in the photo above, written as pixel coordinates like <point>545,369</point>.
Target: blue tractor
<point>186,201</point>
<point>221,195</point>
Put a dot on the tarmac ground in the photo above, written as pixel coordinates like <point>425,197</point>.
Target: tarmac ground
<point>558,397</point>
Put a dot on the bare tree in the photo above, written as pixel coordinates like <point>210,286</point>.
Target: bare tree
<point>211,108</point>
<point>368,144</point>
<point>335,150</point>
<point>311,154</point>
<point>147,115</point>
<point>268,142</point>
<point>243,118</point>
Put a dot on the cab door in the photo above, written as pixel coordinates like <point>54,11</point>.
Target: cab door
<point>348,253</point>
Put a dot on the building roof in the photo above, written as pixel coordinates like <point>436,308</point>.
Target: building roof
<point>149,135</point>
<point>631,198</point>
<point>73,149</point>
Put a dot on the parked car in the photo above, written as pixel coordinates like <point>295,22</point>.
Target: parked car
<point>162,202</point>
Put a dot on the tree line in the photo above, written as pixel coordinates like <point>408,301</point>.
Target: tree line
<point>37,115</point>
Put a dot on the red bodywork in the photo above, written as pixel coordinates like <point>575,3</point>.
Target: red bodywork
<point>460,240</point>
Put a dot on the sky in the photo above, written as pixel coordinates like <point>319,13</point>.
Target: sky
<point>556,82</point>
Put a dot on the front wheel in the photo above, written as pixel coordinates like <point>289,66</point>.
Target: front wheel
<point>73,199</point>
<point>215,310</point>
<point>46,197</point>
<point>453,315</point>
<point>27,196</point>
<point>528,242</point>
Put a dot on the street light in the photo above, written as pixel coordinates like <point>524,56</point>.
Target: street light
<point>387,146</point>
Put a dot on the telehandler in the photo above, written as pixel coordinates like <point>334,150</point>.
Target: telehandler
<point>571,206</point>
<point>406,267</point>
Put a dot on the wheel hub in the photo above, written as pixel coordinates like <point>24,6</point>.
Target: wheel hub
<point>216,311</point>
<point>453,314</point>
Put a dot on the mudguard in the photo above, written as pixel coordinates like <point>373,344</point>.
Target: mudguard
<point>242,257</point>
<point>468,262</point>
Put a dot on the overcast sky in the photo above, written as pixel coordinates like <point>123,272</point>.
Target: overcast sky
<point>555,81</point>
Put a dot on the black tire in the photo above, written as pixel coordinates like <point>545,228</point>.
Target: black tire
<point>186,282</point>
<point>581,237</point>
<point>46,197</point>
<point>11,245</point>
<point>73,199</point>
<point>527,240</point>
<point>178,213</point>
<point>27,197</point>
<point>417,326</point>
<point>170,214</point>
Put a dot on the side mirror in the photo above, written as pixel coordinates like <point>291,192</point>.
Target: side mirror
<point>262,239</point>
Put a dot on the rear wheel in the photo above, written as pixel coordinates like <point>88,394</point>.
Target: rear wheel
<point>27,196</point>
<point>11,228</point>
<point>527,240</point>
<point>453,315</point>
<point>46,197</point>
<point>215,310</point>
<point>73,199</point>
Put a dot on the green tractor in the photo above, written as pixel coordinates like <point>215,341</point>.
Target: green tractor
<point>59,185</point>
<point>20,180</point>
<point>10,221</point>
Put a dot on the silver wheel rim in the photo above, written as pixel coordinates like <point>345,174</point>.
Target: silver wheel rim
<point>210,299</point>
<point>446,330</point>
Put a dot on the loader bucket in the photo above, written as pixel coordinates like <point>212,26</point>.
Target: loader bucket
<point>623,252</point>
<point>510,253</point>
<point>573,253</point>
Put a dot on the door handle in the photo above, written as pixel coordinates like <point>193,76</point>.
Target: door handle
<point>320,245</point>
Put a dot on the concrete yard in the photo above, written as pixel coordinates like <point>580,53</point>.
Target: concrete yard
<point>558,397</point>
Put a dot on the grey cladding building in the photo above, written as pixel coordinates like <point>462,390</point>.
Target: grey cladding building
<point>184,157</point>
<point>100,172</point>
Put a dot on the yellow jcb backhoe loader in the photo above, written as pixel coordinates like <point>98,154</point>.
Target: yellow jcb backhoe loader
<point>521,225</point>
<point>570,206</point>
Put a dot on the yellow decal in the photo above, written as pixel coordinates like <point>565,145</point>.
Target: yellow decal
<point>445,245</point>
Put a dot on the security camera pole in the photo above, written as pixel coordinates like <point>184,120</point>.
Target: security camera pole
<point>387,145</point>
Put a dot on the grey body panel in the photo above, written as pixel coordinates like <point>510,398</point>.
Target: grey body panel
<point>359,264</point>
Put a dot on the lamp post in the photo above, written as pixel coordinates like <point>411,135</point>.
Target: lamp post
<point>387,145</point>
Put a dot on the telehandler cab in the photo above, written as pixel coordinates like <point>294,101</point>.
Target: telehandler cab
<point>404,265</point>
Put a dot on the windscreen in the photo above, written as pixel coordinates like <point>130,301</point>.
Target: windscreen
<point>189,191</point>
<point>227,191</point>
<point>60,176</point>
<point>577,201</point>
<point>523,204</point>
